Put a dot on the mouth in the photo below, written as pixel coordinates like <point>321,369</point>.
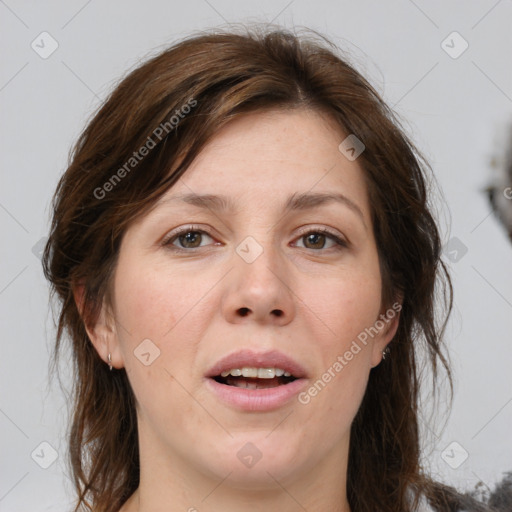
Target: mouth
<point>251,381</point>
<point>245,378</point>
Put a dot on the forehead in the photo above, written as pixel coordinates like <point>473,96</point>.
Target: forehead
<point>304,137</point>
<point>273,154</point>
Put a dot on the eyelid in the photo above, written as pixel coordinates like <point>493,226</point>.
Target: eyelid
<point>175,233</point>
<point>336,237</point>
<point>330,232</point>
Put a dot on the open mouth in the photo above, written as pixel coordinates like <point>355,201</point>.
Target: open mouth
<point>254,382</point>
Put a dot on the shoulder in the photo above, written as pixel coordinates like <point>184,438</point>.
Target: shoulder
<point>437,497</point>
<point>424,505</point>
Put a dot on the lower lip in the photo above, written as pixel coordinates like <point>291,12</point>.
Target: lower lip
<point>256,399</point>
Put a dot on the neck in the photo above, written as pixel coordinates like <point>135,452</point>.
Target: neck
<point>320,488</point>
<point>223,497</point>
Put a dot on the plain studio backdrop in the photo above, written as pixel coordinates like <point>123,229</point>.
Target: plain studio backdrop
<point>445,69</point>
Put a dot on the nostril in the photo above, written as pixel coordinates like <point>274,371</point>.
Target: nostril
<point>245,312</point>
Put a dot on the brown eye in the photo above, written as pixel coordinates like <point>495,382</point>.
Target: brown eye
<point>314,241</point>
<point>317,240</point>
<point>187,239</point>
<point>190,239</point>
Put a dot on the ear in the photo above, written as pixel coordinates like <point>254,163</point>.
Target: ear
<point>391,319</point>
<point>102,331</point>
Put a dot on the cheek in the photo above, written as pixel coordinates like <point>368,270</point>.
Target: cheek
<point>344,307</point>
<point>343,311</point>
<point>151,305</point>
<point>154,302</point>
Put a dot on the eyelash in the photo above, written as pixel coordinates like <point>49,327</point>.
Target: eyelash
<point>168,240</point>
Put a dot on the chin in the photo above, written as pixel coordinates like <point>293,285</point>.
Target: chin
<point>262,476</point>
<point>253,462</point>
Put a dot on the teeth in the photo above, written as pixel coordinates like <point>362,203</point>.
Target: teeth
<point>260,373</point>
<point>250,372</point>
<point>266,373</point>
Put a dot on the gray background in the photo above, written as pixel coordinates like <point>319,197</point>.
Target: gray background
<point>455,109</point>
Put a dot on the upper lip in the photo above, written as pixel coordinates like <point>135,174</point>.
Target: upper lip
<point>250,358</point>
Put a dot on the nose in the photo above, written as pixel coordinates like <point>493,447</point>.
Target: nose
<point>258,290</point>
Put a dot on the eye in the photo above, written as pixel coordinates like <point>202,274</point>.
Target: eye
<point>187,238</point>
<point>316,239</point>
<point>192,237</point>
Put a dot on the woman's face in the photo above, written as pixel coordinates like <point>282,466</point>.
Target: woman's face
<point>253,272</point>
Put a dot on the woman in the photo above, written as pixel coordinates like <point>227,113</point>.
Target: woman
<point>246,265</point>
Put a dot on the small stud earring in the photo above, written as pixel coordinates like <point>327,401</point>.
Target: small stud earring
<point>109,357</point>
<point>385,352</point>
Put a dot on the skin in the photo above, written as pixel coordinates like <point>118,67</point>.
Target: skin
<point>189,305</point>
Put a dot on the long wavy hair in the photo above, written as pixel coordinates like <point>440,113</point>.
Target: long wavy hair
<point>221,75</point>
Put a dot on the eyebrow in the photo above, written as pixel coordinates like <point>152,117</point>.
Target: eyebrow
<point>295,202</point>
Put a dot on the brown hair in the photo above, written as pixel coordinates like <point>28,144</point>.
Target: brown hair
<point>224,75</point>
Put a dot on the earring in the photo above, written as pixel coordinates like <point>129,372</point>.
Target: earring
<point>385,352</point>
<point>109,357</point>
